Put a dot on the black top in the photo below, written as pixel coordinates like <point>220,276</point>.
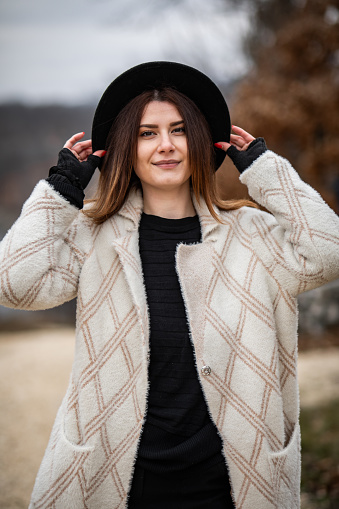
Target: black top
<point>178,431</point>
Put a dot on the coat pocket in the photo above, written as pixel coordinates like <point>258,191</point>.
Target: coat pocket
<point>64,472</point>
<point>285,473</point>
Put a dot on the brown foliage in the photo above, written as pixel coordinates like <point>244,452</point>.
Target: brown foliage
<point>291,96</point>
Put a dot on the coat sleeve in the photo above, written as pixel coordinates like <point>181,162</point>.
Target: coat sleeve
<point>299,242</point>
<point>40,261</point>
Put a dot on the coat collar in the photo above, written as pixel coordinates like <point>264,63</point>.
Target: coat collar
<point>133,207</point>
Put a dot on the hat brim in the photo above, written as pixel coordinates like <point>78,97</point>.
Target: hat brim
<point>151,75</point>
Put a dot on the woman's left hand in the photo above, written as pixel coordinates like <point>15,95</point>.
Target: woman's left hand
<point>240,140</point>
<point>243,148</point>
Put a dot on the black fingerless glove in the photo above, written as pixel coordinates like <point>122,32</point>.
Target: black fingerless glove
<point>70,177</point>
<point>71,166</point>
<point>243,159</point>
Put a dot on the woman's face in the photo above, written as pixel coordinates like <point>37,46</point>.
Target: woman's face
<point>162,155</point>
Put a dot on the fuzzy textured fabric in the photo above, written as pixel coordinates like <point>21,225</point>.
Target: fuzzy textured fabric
<point>239,287</point>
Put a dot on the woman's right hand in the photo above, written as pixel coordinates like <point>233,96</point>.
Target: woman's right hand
<point>77,158</point>
<point>82,149</point>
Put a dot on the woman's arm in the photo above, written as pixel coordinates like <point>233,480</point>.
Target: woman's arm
<point>42,254</point>
<point>39,264</point>
<point>299,244</point>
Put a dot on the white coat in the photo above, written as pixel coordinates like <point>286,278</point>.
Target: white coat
<point>239,287</point>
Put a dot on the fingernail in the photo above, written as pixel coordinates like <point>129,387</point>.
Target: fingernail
<point>218,145</point>
<point>104,153</point>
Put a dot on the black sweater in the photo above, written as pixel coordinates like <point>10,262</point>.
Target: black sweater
<point>178,431</point>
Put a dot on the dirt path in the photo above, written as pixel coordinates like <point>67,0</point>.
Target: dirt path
<point>34,372</point>
<point>318,376</point>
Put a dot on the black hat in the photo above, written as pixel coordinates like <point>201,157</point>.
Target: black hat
<point>151,75</point>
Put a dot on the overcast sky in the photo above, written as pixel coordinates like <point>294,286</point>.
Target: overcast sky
<point>68,51</point>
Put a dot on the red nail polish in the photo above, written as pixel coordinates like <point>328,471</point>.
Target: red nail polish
<point>104,153</point>
<point>218,145</point>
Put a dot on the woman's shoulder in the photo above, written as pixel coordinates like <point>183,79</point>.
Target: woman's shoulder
<point>245,214</point>
<point>112,228</point>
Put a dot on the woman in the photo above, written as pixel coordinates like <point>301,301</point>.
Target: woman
<point>184,383</point>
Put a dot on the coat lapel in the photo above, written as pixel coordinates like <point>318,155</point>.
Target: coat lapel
<point>195,270</point>
<point>127,248</point>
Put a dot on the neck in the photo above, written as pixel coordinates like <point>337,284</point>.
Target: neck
<point>174,204</point>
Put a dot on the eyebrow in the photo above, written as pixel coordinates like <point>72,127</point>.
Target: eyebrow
<point>172,124</point>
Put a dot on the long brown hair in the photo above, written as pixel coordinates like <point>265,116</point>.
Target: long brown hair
<point>117,174</point>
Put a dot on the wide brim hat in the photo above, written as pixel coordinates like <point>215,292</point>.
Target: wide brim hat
<point>154,75</point>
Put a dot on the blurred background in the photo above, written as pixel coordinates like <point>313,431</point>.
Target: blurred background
<point>277,63</point>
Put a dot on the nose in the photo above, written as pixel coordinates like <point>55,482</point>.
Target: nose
<point>165,143</point>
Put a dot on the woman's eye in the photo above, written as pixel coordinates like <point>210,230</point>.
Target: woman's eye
<point>179,130</point>
<point>146,133</point>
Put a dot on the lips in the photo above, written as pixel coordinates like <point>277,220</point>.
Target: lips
<point>167,163</point>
